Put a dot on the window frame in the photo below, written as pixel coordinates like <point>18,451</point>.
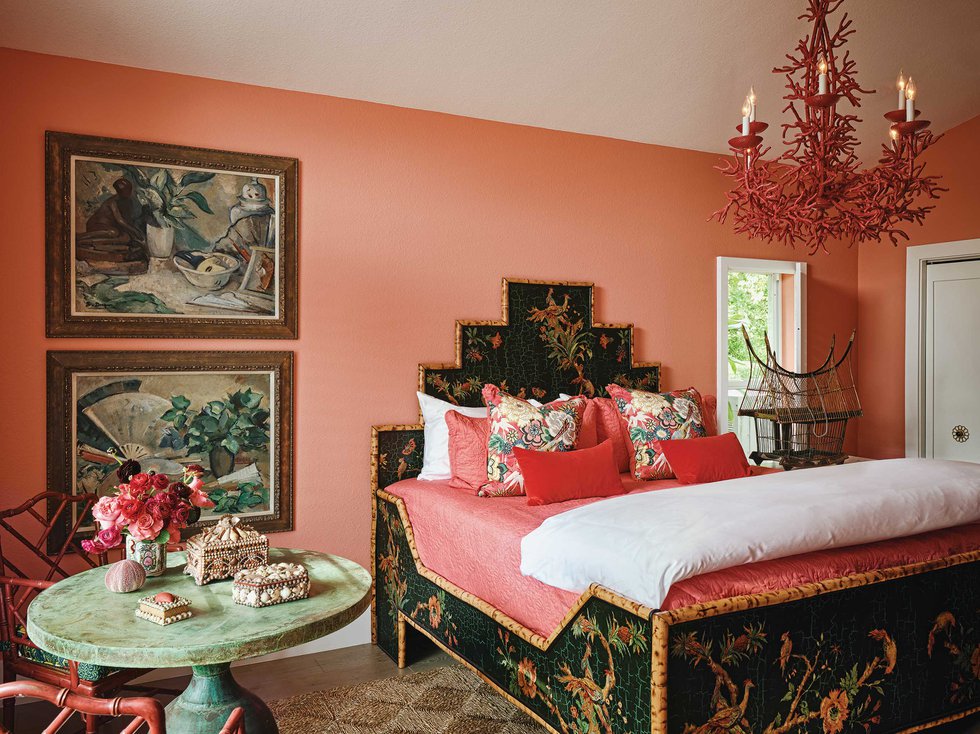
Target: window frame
<point>725,265</point>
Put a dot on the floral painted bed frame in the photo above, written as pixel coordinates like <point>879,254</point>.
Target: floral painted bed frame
<point>894,650</point>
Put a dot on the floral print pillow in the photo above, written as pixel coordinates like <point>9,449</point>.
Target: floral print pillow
<point>653,417</point>
<point>516,422</point>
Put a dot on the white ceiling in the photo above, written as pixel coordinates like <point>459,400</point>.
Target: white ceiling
<point>671,72</point>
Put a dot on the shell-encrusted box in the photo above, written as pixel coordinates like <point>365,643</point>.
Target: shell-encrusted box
<point>164,608</point>
<point>275,583</point>
<point>224,549</point>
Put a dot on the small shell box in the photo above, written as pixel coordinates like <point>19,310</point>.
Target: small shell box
<point>164,608</point>
<point>275,583</point>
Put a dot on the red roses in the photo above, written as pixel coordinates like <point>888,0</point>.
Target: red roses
<point>146,506</point>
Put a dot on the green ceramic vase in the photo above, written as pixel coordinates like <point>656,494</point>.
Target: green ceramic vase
<point>150,555</point>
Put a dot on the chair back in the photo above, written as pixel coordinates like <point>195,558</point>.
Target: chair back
<point>38,539</point>
<point>142,711</point>
<point>15,596</point>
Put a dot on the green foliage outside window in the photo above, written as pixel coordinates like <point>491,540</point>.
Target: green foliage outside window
<point>748,305</point>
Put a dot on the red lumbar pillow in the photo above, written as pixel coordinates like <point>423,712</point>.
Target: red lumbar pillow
<point>552,476</point>
<point>711,459</point>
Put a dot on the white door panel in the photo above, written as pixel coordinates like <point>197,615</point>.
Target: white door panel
<point>952,361</point>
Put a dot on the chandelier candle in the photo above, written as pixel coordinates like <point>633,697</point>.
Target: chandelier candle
<point>752,103</point>
<point>910,101</point>
<point>901,90</point>
<point>823,76</point>
<point>746,111</point>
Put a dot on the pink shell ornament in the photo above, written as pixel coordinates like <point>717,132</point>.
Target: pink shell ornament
<point>125,576</point>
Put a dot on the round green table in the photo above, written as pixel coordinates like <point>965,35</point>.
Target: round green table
<point>78,618</point>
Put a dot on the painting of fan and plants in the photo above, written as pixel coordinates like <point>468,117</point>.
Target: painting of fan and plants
<point>227,412</point>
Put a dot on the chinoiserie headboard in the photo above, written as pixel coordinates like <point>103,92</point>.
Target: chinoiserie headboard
<point>546,343</point>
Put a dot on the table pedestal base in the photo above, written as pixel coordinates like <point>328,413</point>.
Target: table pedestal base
<point>208,701</point>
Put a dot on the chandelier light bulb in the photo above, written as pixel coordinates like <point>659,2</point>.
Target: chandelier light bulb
<point>910,89</point>
<point>822,67</point>
<point>901,89</point>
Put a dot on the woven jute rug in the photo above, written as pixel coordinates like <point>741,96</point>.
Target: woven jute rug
<point>449,700</point>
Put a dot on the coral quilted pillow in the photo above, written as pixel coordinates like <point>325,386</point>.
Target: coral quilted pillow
<point>612,426</point>
<point>467,450</point>
<point>653,417</point>
<point>515,422</point>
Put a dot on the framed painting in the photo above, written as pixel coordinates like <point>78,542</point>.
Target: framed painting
<point>229,412</point>
<point>152,240</point>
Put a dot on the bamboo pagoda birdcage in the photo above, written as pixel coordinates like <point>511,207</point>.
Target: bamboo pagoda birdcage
<point>800,417</point>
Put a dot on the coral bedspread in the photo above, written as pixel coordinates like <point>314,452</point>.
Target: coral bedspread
<point>475,542</point>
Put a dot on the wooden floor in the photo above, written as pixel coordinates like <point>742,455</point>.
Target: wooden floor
<point>325,670</point>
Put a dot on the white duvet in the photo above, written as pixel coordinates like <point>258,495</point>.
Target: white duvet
<point>640,544</point>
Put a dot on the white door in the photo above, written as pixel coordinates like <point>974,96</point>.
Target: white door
<point>952,363</point>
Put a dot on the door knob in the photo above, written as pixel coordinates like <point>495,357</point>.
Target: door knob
<point>961,434</point>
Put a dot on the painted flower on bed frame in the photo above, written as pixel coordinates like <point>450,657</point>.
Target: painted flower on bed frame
<point>962,644</point>
<point>440,617</point>
<point>581,703</point>
<point>818,684</point>
<point>569,344</point>
<point>833,711</point>
<point>393,576</point>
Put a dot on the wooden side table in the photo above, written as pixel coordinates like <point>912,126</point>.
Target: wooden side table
<point>79,619</point>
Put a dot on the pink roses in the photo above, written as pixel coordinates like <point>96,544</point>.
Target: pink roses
<point>146,526</point>
<point>147,506</point>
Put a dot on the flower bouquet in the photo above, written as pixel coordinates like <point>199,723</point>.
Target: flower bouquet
<point>148,511</point>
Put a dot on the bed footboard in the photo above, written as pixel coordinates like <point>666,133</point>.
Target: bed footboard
<point>593,675</point>
<point>888,651</point>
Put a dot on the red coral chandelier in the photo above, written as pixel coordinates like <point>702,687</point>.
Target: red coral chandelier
<point>816,191</point>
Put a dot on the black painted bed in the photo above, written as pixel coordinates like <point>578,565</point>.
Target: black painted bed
<point>893,650</point>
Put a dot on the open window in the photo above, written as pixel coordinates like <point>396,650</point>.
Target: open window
<point>764,297</point>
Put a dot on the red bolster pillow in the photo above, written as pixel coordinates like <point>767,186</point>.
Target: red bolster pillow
<point>559,476</point>
<point>701,460</point>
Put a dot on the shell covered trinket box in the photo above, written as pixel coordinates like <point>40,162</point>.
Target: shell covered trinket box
<point>275,583</point>
<point>164,608</point>
<point>224,549</point>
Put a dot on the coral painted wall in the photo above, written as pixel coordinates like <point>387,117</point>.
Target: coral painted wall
<point>408,220</point>
<point>881,290</point>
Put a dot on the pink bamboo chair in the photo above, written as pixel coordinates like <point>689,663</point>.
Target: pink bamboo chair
<point>38,547</point>
<point>142,711</point>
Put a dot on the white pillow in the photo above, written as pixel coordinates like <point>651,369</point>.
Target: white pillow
<point>435,453</point>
